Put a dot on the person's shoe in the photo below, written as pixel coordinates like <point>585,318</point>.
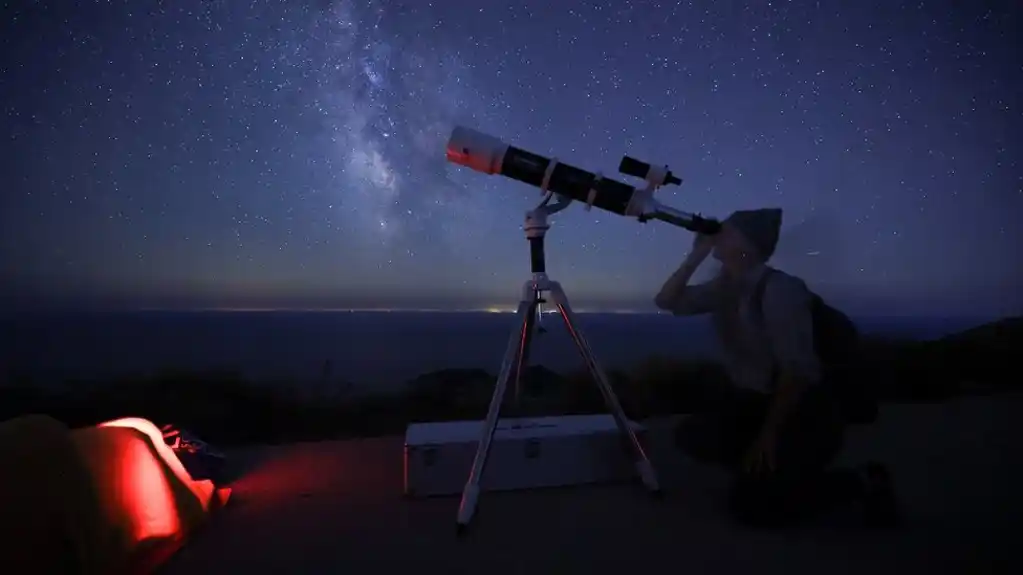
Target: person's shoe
<point>880,506</point>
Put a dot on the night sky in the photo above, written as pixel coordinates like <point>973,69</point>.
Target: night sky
<point>290,154</point>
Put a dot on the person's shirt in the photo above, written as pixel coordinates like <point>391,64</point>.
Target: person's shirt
<point>752,347</point>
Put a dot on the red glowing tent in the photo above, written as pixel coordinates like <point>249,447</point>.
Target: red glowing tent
<point>113,498</point>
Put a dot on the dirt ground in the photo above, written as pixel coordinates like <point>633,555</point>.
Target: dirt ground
<point>336,507</point>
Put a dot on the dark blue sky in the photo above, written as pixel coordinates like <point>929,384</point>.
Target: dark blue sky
<point>291,154</point>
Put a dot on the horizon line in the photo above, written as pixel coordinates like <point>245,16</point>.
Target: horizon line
<point>494,309</point>
<point>490,309</point>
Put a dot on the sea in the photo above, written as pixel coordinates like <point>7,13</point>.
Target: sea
<point>367,351</point>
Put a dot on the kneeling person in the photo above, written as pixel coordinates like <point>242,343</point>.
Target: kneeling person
<point>785,423</point>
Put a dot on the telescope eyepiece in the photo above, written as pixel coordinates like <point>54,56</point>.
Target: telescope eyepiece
<point>706,226</point>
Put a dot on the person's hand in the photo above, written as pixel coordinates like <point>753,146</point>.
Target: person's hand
<point>760,457</point>
<point>702,245</point>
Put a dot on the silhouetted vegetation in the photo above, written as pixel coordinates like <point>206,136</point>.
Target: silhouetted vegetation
<point>224,409</point>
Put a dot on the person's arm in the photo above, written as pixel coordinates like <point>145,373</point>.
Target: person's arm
<point>789,322</point>
<point>680,298</point>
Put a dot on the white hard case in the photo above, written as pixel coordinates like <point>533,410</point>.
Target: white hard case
<point>525,453</point>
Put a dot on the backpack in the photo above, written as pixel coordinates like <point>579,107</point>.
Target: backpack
<point>836,343</point>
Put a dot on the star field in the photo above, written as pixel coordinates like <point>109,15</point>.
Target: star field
<point>291,154</point>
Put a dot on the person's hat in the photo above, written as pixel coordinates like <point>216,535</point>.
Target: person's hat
<point>760,227</point>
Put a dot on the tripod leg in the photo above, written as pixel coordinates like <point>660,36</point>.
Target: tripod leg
<point>528,323</point>
<point>471,492</point>
<point>643,465</point>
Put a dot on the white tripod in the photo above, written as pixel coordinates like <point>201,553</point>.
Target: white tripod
<point>516,358</point>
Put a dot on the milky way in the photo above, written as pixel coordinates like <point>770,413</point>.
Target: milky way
<point>387,105</point>
<point>291,154</point>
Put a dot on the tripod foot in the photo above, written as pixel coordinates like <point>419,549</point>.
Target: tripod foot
<point>461,529</point>
<point>468,506</point>
<point>648,476</point>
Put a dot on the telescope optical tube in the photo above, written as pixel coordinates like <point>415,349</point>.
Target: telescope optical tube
<point>489,155</point>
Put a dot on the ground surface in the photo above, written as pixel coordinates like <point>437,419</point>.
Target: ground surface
<point>335,507</point>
